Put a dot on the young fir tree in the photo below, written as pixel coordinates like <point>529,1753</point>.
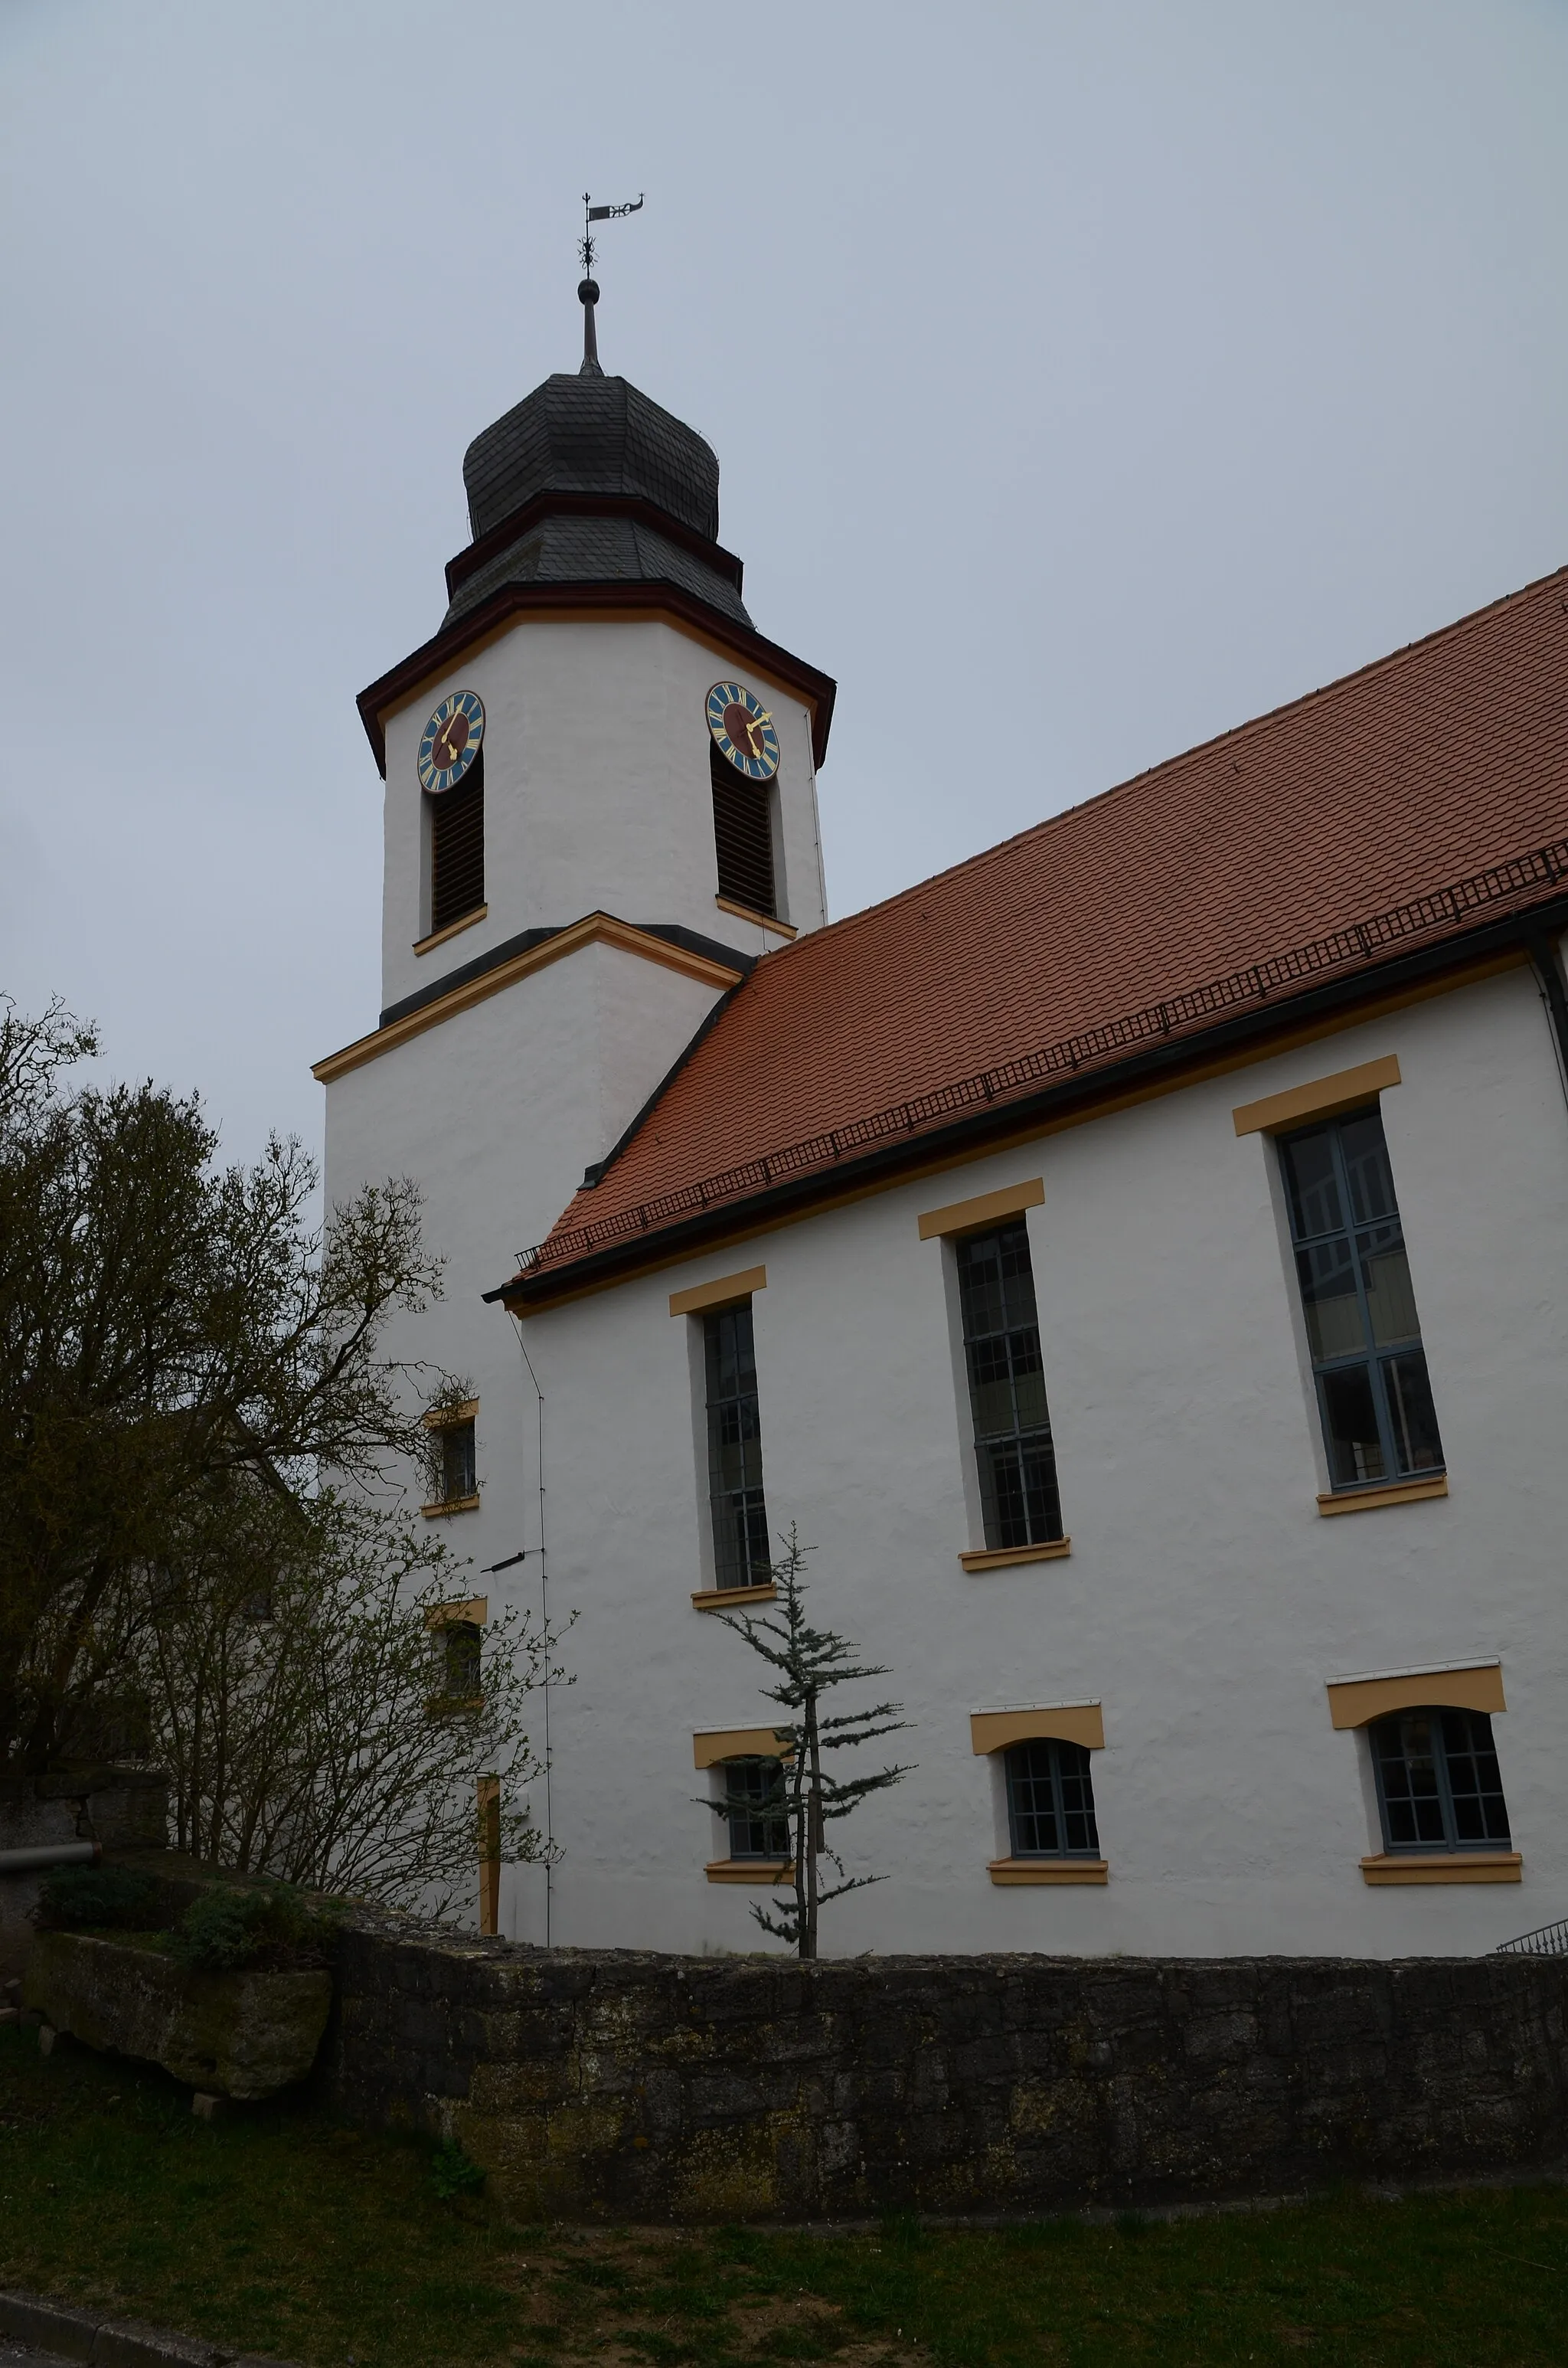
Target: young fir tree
<point>805,1797</point>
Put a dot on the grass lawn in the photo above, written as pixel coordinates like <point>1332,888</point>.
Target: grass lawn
<point>278,2230</point>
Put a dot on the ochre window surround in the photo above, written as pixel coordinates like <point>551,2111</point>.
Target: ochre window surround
<point>1443,1685</point>
<point>1390,1867</point>
<point>440,937</point>
<point>729,1599</point>
<point>1324,1097</point>
<point>1006,1557</point>
<point>726,1290</point>
<point>760,1872</point>
<point>986,1209</point>
<point>713,1745</point>
<point>445,1418</point>
<point>1079,1722</point>
<point>475,1614</point>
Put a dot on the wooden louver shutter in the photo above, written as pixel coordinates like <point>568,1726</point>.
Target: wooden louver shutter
<point>743,836</point>
<point>457,850</point>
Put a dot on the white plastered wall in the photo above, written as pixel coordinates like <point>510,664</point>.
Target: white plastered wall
<point>596,792</point>
<point>1206,1601</point>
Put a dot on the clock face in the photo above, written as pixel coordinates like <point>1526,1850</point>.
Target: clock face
<point>451,741</point>
<point>743,730</point>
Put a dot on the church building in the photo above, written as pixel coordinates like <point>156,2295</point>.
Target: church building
<point>1133,1260</point>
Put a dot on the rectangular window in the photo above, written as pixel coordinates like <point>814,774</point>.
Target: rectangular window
<point>1006,1389</point>
<point>1439,1784</point>
<point>457,1475</point>
<point>1370,1372</point>
<point>753,1806</point>
<point>1051,1801</point>
<point>735,1451</point>
<point>457,849</point>
<point>743,836</point>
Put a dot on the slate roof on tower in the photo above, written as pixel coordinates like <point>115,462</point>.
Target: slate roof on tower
<point>1409,806</point>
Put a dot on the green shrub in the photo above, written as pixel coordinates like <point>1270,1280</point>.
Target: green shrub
<point>103,1896</point>
<point>454,2173</point>
<point>225,1929</point>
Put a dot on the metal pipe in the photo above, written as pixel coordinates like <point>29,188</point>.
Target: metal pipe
<point>38,1854</point>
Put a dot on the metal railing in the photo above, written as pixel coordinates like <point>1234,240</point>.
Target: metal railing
<point>1519,880</point>
<point>1546,1940</point>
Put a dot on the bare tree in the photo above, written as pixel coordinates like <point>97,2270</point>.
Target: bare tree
<point>324,1706</point>
<point>805,1797</point>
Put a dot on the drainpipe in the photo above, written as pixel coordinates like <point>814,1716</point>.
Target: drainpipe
<point>39,1855</point>
<point>1549,978</point>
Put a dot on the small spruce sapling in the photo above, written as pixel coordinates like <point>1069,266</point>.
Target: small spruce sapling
<point>806,1796</point>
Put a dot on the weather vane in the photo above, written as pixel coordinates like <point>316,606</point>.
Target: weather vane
<point>587,248</point>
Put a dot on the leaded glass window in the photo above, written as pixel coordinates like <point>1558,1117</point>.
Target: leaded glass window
<point>1013,1451</point>
<point>735,1451</point>
<point>1051,1801</point>
<point>1365,1337</point>
<point>754,1804</point>
<point>1439,1784</point>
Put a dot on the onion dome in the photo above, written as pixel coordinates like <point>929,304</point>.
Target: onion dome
<point>587,481</point>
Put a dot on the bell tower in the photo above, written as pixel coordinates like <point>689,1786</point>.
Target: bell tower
<point>600,814</point>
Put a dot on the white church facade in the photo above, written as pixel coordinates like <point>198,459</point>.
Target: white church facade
<point>1135,1259</point>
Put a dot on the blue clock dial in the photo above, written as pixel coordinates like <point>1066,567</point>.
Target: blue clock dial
<point>743,730</point>
<point>451,741</point>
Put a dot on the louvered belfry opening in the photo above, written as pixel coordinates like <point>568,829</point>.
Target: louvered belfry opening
<point>742,834</point>
<point>457,849</point>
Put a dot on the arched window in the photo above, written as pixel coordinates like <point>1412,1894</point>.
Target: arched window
<point>1439,1784</point>
<point>1051,1801</point>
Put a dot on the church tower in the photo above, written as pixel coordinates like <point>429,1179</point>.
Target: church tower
<point>600,813</point>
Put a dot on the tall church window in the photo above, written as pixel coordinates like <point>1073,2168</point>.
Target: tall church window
<point>743,836</point>
<point>457,849</point>
<point>1013,1448</point>
<point>1438,1784</point>
<point>735,1451</point>
<point>1374,1398</point>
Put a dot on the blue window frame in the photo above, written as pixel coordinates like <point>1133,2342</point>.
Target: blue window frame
<point>1439,1787</point>
<point>1051,1801</point>
<point>735,1451</point>
<point>1016,1458</point>
<point>753,1806</point>
<point>1368,1366</point>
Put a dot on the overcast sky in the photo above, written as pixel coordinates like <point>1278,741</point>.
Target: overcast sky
<point>1085,379</point>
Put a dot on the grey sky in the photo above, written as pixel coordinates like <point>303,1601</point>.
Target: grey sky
<point>1085,379</point>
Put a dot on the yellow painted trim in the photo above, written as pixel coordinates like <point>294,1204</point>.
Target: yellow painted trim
<point>452,929</point>
<point>1396,1492</point>
<point>710,1749</point>
<point>963,1217</point>
<point>594,928</point>
<point>1005,1871</point>
<point>741,1870</point>
<point>1200,1073</point>
<point>727,1599</point>
<point>1004,1557</point>
<point>1477,1866</point>
<point>448,1417</point>
<point>993,1730</point>
<point>1324,1097</point>
<point>1356,1702</point>
<point>452,1505</point>
<point>764,920</point>
<point>475,1614</point>
<point>727,1292</point>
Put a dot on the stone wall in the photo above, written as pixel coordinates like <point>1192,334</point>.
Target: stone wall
<point>119,1809</point>
<point>619,2085</point>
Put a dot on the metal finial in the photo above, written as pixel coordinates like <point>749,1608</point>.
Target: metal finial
<point>587,287</point>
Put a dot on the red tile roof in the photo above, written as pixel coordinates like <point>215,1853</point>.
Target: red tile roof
<point>1431,767</point>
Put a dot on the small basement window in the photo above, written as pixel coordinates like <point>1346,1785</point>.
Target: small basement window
<point>457,849</point>
<point>1439,1787</point>
<point>743,836</point>
<point>1051,1801</point>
